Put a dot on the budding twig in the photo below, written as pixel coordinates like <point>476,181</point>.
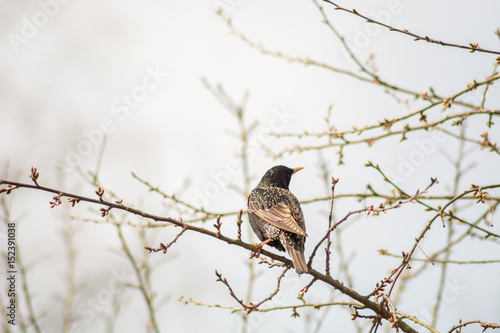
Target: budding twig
<point>164,247</point>
<point>238,224</point>
<point>369,210</point>
<point>248,308</point>
<point>330,216</point>
<point>472,46</point>
<point>379,310</point>
<point>217,225</point>
<point>34,175</point>
<point>484,324</point>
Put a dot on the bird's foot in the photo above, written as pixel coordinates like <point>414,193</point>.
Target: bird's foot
<point>259,248</point>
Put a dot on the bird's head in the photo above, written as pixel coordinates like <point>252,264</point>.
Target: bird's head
<point>278,176</point>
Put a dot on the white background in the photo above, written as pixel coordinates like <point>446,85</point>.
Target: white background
<point>64,79</point>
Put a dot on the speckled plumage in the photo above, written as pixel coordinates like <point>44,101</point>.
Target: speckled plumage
<point>275,215</point>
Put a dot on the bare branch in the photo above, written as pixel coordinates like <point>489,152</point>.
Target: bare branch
<point>328,242</point>
<point>473,47</point>
<point>484,324</point>
<point>377,308</point>
<point>369,210</point>
<point>164,247</point>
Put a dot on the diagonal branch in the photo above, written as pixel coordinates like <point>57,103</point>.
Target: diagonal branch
<point>369,210</point>
<point>377,308</point>
<point>484,324</point>
<point>473,47</point>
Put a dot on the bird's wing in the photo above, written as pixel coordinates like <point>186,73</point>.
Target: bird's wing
<point>283,214</point>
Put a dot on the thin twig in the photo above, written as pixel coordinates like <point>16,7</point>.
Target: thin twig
<point>268,298</point>
<point>484,324</point>
<point>330,216</point>
<point>164,247</point>
<point>473,47</point>
<point>319,276</point>
<point>438,261</point>
<point>142,286</point>
<point>238,110</point>
<point>369,210</point>
<point>449,238</point>
<point>238,225</point>
<point>315,306</point>
<point>417,321</point>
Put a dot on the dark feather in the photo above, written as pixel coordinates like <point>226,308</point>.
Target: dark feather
<point>275,214</point>
<point>278,207</point>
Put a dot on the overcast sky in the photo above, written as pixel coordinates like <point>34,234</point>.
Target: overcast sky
<point>132,70</point>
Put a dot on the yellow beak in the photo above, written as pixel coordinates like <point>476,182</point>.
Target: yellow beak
<point>295,170</point>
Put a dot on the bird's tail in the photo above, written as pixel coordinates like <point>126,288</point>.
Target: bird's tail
<point>296,252</point>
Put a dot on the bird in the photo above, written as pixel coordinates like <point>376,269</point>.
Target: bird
<point>275,215</point>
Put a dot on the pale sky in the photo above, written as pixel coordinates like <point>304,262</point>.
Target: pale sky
<point>133,70</point>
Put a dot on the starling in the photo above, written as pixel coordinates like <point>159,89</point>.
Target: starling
<point>276,217</point>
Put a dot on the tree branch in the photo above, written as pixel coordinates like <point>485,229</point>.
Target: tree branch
<point>377,308</point>
<point>484,324</point>
<point>473,47</point>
